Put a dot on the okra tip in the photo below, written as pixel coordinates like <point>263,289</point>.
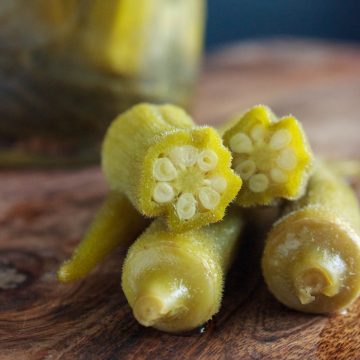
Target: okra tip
<point>158,304</point>
<point>63,274</point>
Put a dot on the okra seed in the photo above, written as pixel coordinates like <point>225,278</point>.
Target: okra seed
<point>241,143</point>
<point>258,183</point>
<point>258,133</point>
<point>218,183</point>
<point>186,206</point>
<point>280,139</point>
<point>164,170</point>
<point>246,169</point>
<point>287,159</point>
<point>183,156</point>
<point>278,175</point>
<point>163,192</point>
<point>209,198</point>
<point>207,160</point>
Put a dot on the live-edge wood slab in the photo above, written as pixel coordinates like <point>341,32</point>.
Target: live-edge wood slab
<point>43,215</point>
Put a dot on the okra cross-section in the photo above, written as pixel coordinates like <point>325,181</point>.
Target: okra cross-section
<point>169,167</point>
<point>271,155</point>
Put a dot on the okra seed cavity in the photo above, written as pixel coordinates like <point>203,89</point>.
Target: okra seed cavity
<point>241,144</point>
<point>287,159</point>
<point>183,156</point>
<point>280,139</point>
<point>278,176</point>
<point>246,169</point>
<point>207,160</point>
<point>209,198</point>
<point>258,183</point>
<point>186,206</point>
<point>164,170</point>
<point>187,178</point>
<point>218,183</point>
<point>258,133</point>
<point>163,192</point>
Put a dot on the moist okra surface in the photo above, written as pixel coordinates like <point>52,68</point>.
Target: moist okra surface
<point>311,260</point>
<point>174,282</point>
<point>271,155</point>
<point>168,167</point>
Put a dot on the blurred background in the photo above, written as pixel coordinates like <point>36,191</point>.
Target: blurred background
<point>233,20</point>
<point>68,67</point>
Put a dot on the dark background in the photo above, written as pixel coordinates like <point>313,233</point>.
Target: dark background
<point>233,20</point>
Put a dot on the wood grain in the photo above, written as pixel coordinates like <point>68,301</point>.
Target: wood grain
<point>43,215</point>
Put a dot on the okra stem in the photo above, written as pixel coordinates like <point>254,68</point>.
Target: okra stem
<point>160,300</point>
<point>174,282</point>
<point>318,273</point>
<point>311,260</point>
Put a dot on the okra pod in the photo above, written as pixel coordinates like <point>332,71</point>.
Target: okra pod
<point>116,223</point>
<point>311,260</point>
<point>271,155</point>
<point>174,282</point>
<point>168,167</point>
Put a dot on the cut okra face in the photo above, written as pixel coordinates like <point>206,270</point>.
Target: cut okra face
<point>271,155</point>
<point>169,167</point>
<point>191,180</point>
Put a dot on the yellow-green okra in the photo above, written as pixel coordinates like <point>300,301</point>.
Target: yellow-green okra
<point>169,167</point>
<point>311,260</point>
<point>271,155</point>
<point>174,282</point>
<point>116,223</point>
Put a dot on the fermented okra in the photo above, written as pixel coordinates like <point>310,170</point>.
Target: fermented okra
<point>112,34</point>
<point>116,223</point>
<point>174,282</point>
<point>271,155</point>
<point>311,260</point>
<point>168,167</point>
<point>133,38</point>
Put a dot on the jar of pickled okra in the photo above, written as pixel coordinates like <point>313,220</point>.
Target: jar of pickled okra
<point>68,67</point>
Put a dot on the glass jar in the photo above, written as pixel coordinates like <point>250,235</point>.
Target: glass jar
<point>68,67</point>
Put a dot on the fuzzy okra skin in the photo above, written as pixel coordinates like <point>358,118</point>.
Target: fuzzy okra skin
<point>174,282</point>
<point>311,260</point>
<point>271,155</point>
<point>168,167</point>
<point>116,223</point>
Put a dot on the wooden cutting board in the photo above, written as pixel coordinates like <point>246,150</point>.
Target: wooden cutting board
<point>43,215</point>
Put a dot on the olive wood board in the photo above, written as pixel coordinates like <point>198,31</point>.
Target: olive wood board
<point>43,215</point>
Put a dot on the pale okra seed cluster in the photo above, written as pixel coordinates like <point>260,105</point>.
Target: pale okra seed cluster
<point>262,157</point>
<point>188,178</point>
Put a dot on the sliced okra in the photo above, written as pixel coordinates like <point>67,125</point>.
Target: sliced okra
<point>271,155</point>
<point>169,167</point>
